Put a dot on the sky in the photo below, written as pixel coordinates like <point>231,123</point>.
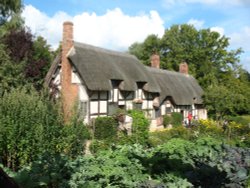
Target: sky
<point>116,24</point>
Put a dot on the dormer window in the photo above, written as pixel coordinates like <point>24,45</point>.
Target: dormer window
<point>139,92</point>
<point>114,93</point>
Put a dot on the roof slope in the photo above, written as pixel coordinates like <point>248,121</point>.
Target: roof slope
<point>183,88</point>
<point>98,66</point>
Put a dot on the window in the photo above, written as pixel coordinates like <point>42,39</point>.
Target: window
<point>82,109</point>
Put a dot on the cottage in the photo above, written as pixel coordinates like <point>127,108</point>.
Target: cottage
<point>100,81</point>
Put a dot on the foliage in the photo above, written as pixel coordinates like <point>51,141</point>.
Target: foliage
<point>143,52</point>
<point>140,126</point>
<point>37,68</point>
<point>73,137</point>
<point>8,8</point>
<point>47,171</point>
<point>10,73</point>
<point>107,136</point>
<point>206,52</point>
<point>166,120</point>
<point>243,120</point>
<point>177,118</point>
<point>105,128</point>
<point>221,100</point>
<point>23,119</point>
<point>108,169</point>
<point>19,44</point>
<point>236,163</point>
<point>28,59</point>
<point>209,127</point>
<point>161,137</point>
<point>31,125</point>
<point>204,162</point>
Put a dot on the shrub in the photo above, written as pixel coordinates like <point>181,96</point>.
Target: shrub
<point>161,137</point>
<point>166,120</point>
<point>29,125</point>
<point>105,128</point>
<point>209,127</point>
<point>47,171</point>
<point>108,169</point>
<point>140,127</point>
<point>74,136</point>
<point>176,119</point>
<point>243,120</point>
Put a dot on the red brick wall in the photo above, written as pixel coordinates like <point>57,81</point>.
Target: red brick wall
<point>69,90</point>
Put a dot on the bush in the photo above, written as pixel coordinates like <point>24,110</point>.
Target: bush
<point>73,138</point>
<point>48,170</point>
<point>29,125</point>
<point>176,119</point>
<point>243,120</point>
<point>140,127</point>
<point>161,137</point>
<point>105,128</point>
<point>167,120</point>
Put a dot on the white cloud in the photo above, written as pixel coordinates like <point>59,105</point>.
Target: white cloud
<point>218,29</point>
<point>246,63</point>
<point>198,24</point>
<point>238,39</point>
<point>113,30</point>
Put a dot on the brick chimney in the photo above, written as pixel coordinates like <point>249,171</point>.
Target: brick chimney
<point>183,68</point>
<point>69,90</point>
<point>155,61</point>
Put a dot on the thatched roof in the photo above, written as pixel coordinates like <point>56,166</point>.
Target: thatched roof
<point>52,70</point>
<point>182,88</point>
<point>98,66</point>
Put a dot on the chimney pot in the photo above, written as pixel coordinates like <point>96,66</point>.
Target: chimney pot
<point>155,61</point>
<point>183,68</point>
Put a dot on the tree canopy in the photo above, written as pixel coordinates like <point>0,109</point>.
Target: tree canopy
<point>209,61</point>
<point>8,8</point>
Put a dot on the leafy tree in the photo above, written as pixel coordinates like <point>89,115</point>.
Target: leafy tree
<point>10,73</point>
<point>144,50</point>
<point>215,67</point>
<point>29,57</point>
<point>8,8</point>
<point>39,63</point>
<point>204,50</point>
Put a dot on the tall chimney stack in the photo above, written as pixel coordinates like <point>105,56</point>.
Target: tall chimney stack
<point>69,91</point>
<point>183,68</point>
<point>155,61</point>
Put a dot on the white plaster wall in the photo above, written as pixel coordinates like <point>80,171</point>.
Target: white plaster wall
<point>121,103</point>
<point>75,79</point>
<point>144,104</point>
<point>163,110</point>
<point>116,93</point>
<point>93,107</point>
<point>83,96</point>
<point>202,114</point>
<point>103,106</point>
<point>129,105</point>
